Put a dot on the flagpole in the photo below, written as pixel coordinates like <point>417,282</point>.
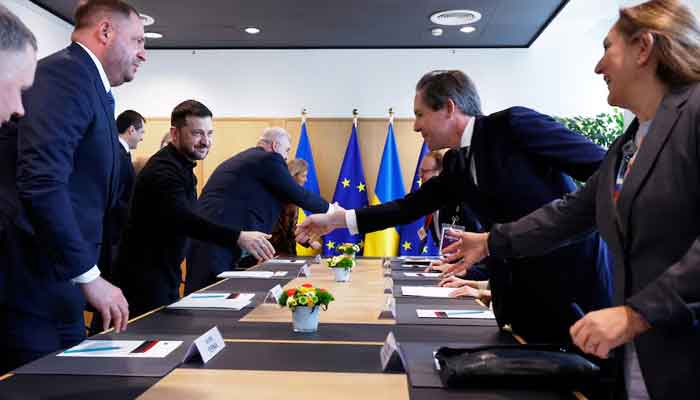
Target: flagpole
<point>355,114</point>
<point>303,115</point>
<point>391,116</point>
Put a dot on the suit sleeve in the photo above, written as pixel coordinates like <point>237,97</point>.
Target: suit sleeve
<point>429,197</point>
<point>59,115</point>
<point>280,182</point>
<point>569,151</point>
<point>665,301</point>
<point>547,228</point>
<point>169,185</point>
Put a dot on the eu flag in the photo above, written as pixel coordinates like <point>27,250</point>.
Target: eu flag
<point>410,243</point>
<point>389,187</point>
<point>350,193</point>
<point>304,153</point>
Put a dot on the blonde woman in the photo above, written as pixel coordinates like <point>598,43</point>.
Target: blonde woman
<point>644,200</point>
<point>283,232</point>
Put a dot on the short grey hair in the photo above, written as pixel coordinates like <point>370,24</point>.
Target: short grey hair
<point>14,34</point>
<point>273,135</point>
<point>439,86</point>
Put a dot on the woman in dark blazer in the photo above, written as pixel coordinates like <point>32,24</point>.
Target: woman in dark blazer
<point>644,200</point>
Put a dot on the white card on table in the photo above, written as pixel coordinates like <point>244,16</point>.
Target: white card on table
<point>122,348</point>
<point>422,274</point>
<point>426,291</point>
<point>214,300</point>
<point>459,314</point>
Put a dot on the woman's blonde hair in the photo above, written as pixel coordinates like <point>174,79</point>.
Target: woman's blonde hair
<point>676,37</point>
<point>297,166</point>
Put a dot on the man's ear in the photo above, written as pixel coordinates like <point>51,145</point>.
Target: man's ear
<point>450,107</point>
<point>105,31</point>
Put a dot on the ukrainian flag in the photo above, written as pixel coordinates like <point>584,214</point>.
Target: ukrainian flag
<point>304,153</point>
<point>350,193</point>
<point>389,187</point>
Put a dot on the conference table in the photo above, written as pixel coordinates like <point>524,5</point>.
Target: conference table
<point>264,359</point>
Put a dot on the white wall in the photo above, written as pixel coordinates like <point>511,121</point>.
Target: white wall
<point>554,76</point>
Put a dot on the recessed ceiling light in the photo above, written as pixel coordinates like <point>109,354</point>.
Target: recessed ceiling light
<point>252,30</point>
<point>467,29</point>
<point>455,17</point>
<point>436,31</point>
<point>147,19</point>
<point>152,35</point>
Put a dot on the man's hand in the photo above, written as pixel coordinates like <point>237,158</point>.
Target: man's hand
<point>257,244</point>
<point>467,251</point>
<point>319,224</point>
<point>109,301</point>
<point>600,331</point>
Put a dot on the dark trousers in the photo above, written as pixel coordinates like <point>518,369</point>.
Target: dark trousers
<point>25,337</point>
<point>38,315</point>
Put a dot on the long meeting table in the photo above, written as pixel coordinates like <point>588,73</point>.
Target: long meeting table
<point>264,359</point>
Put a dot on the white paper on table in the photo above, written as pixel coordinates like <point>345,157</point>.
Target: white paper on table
<point>423,274</point>
<point>246,274</point>
<point>285,261</point>
<point>120,348</point>
<point>459,314</point>
<point>426,291</point>
<point>214,300</point>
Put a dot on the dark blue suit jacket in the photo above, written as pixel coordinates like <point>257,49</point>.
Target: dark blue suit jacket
<point>523,160</point>
<point>67,161</point>
<point>246,192</point>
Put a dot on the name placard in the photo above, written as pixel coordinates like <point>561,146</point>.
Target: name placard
<point>391,357</point>
<point>273,295</point>
<point>206,346</point>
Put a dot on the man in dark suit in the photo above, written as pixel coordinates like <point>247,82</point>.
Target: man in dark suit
<point>162,216</point>
<point>503,166</point>
<point>17,64</point>
<point>247,191</point>
<point>458,214</point>
<point>67,161</point>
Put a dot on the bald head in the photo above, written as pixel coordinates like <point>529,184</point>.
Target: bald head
<point>276,140</point>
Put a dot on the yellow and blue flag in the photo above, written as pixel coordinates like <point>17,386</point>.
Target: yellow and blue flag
<point>350,193</point>
<point>304,153</point>
<point>410,243</point>
<point>389,187</point>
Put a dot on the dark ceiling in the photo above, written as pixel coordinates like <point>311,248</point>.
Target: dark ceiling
<point>307,24</point>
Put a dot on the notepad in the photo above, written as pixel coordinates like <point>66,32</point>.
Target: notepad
<point>461,314</point>
<point>251,274</point>
<point>423,274</point>
<point>122,348</point>
<point>214,300</point>
<point>426,291</point>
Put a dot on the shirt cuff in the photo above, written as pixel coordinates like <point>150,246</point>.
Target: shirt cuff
<point>89,276</point>
<point>331,208</point>
<point>351,222</point>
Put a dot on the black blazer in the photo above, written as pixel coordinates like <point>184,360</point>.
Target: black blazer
<point>523,160</point>
<point>161,218</point>
<point>63,180</point>
<point>247,192</point>
<point>652,232</point>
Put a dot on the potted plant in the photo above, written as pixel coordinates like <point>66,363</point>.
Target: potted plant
<point>305,301</point>
<point>349,249</point>
<point>341,266</point>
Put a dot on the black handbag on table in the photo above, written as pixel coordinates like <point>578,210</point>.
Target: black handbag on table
<point>534,366</point>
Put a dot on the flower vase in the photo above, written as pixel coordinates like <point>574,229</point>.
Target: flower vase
<point>305,319</point>
<point>342,274</point>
